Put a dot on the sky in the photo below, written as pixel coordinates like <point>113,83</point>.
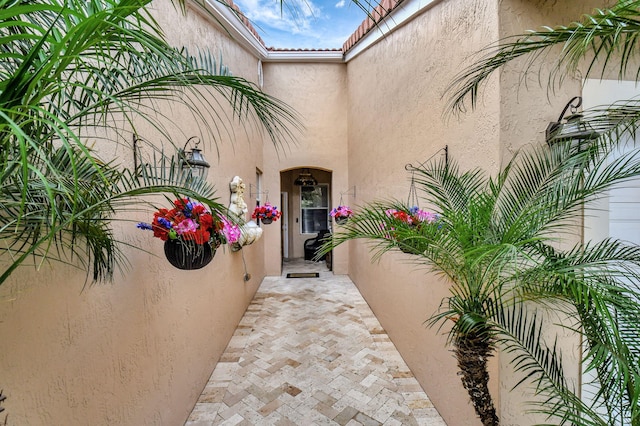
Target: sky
<point>312,24</point>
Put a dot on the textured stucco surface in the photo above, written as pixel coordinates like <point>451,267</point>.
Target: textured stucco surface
<point>527,105</point>
<point>318,93</point>
<point>395,117</point>
<point>140,350</point>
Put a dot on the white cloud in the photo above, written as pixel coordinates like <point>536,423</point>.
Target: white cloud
<point>302,23</point>
<point>295,16</point>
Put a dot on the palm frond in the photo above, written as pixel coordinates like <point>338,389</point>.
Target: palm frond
<point>69,68</point>
<point>520,332</point>
<point>65,215</point>
<point>496,242</point>
<point>598,38</point>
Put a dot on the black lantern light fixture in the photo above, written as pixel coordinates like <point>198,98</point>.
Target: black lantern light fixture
<point>572,128</point>
<point>305,179</point>
<point>190,162</point>
<point>193,161</point>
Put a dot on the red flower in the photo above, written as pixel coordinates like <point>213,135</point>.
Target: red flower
<point>188,236</point>
<point>266,211</point>
<point>206,220</point>
<point>201,236</point>
<point>160,232</point>
<point>199,209</point>
<point>181,203</point>
<point>190,221</point>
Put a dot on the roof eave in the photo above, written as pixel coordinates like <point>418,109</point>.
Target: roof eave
<point>304,56</point>
<point>404,12</point>
<point>367,34</point>
<point>231,23</point>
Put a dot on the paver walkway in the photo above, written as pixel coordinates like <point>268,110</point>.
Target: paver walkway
<point>309,351</point>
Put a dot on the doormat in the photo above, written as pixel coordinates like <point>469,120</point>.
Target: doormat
<point>303,275</point>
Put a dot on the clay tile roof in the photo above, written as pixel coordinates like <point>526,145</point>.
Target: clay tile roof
<point>378,13</point>
<point>244,20</point>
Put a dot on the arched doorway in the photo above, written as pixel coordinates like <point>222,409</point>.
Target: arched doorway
<point>306,204</point>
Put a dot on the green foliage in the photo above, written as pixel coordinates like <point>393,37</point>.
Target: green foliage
<point>497,243</point>
<point>73,71</point>
<point>604,40</point>
<point>596,285</point>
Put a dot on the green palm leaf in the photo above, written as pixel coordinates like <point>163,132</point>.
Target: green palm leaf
<point>72,69</point>
<point>597,38</point>
<point>496,242</point>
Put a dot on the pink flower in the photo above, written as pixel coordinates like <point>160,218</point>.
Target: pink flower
<point>187,225</point>
<point>266,211</point>
<point>192,221</point>
<point>231,232</point>
<point>341,211</point>
<point>424,216</point>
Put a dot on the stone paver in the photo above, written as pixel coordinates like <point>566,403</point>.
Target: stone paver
<point>309,351</point>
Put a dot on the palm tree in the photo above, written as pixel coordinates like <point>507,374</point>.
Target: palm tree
<point>602,42</point>
<point>495,241</point>
<point>71,70</point>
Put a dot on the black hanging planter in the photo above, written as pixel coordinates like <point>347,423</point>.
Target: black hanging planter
<point>188,255</point>
<point>341,220</point>
<point>266,220</point>
<point>406,247</point>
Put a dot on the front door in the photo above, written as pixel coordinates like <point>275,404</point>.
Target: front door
<point>284,204</point>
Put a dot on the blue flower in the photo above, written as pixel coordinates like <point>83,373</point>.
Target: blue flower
<point>143,225</point>
<point>165,222</point>
<point>188,209</point>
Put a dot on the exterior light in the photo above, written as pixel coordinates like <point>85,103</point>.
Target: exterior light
<point>305,179</point>
<point>572,128</point>
<point>193,161</point>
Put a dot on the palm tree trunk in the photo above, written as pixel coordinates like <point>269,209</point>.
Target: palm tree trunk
<point>472,353</point>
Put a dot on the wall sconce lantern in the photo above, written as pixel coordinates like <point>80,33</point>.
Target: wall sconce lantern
<point>305,179</point>
<point>193,161</point>
<point>572,128</point>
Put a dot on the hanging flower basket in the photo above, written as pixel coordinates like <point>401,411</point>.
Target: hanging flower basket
<point>191,233</point>
<point>188,255</point>
<point>413,217</point>
<point>266,213</point>
<point>341,214</point>
<point>341,220</point>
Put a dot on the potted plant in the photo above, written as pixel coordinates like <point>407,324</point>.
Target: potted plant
<point>413,217</point>
<point>191,233</point>
<point>341,214</point>
<point>266,213</point>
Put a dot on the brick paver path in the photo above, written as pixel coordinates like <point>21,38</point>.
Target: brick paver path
<point>309,351</point>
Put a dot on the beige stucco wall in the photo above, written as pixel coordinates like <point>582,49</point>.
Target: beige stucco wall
<point>526,109</point>
<point>385,113</point>
<point>395,117</point>
<point>527,103</point>
<point>318,92</point>
<point>139,350</point>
